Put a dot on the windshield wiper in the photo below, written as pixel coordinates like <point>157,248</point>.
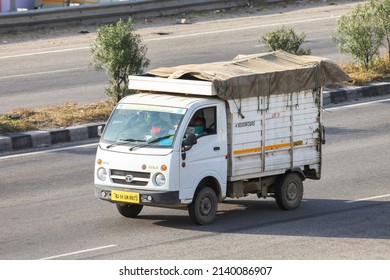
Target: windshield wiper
<point>124,141</point>
<point>151,141</point>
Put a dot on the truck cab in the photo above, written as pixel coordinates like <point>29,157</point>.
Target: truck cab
<point>152,153</point>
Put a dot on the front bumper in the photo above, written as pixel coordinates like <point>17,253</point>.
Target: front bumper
<point>152,198</point>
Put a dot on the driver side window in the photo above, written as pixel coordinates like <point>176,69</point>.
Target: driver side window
<point>203,122</point>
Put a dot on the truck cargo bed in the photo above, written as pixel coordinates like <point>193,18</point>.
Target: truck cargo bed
<point>270,135</point>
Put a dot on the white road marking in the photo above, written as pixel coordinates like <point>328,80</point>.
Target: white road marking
<point>48,151</point>
<point>238,29</point>
<point>181,36</point>
<point>368,198</point>
<point>148,40</point>
<point>43,73</point>
<point>357,104</point>
<point>79,252</point>
<point>46,52</point>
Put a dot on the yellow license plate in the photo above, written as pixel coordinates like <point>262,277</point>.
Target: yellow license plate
<point>121,196</point>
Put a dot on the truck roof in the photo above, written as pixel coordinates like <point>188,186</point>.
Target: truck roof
<point>155,84</point>
<point>245,76</point>
<point>171,100</point>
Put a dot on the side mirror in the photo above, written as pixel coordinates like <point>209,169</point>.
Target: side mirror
<point>189,141</point>
<point>100,129</point>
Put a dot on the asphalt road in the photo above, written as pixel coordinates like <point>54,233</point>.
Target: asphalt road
<point>48,209</point>
<point>52,69</point>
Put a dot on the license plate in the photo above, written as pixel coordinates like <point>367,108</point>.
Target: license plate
<point>121,196</point>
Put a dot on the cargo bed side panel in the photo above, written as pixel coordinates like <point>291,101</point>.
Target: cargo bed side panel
<point>270,135</point>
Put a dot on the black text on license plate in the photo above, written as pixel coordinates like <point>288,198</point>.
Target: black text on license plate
<point>121,196</point>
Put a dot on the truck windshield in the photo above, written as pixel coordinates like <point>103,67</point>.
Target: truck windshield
<point>142,125</point>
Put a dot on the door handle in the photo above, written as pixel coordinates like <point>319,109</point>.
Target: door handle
<point>216,148</point>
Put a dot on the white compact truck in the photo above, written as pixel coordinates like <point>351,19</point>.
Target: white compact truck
<point>196,134</point>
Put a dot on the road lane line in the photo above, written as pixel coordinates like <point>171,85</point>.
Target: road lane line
<point>44,73</point>
<point>184,35</point>
<point>79,252</point>
<point>46,52</point>
<point>48,151</point>
<point>238,29</point>
<point>368,198</point>
<point>357,104</point>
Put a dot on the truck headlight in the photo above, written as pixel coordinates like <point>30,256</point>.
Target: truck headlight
<point>102,174</point>
<point>159,179</point>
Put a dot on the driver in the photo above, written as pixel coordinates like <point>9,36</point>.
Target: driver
<point>200,126</point>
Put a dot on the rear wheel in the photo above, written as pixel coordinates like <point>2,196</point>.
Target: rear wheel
<point>129,210</point>
<point>289,191</point>
<point>203,208</point>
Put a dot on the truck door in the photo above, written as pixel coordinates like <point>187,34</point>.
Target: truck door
<point>208,156</point>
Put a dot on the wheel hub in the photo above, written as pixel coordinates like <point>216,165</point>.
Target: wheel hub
<point>205,206</point>
<point>291,191</point>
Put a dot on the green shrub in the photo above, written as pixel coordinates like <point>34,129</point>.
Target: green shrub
<point>119,50</point>
<point>285,39</point>
<point>382,19</point>
<point>359,35</point>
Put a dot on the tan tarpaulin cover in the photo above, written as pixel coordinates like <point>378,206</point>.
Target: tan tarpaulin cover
<point>260,74</point>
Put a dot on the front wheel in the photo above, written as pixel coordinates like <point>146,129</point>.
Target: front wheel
<point>129,210</point>
<point>289,191</point>
<point>203,208</point>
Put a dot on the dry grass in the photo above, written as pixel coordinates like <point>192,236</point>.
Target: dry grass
<point>45,118</point>
<point>379,72</point>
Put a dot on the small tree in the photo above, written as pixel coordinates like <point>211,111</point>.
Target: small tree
<point>285,39</point>
<point>382,19</point>
<point>359,35</point>
<point>119,50</point>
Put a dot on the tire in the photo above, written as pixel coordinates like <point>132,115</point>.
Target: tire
<point>203,208</point>
<point>289,191</point>
<point>129,210</point>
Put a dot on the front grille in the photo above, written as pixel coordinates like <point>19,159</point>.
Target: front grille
<point>133,183</point>
<point>139,178</point>
<point>144,175</point>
